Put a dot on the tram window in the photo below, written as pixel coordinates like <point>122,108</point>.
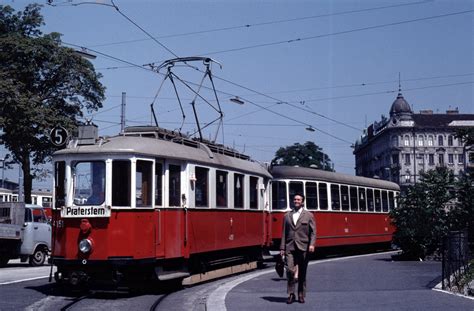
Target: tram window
<point>323,196</point>
<point>384,201</point>
<point>121,182</point>
<point>311,195</point>
<point>353,196</point>
<point>143,183</point>
<point>295,188</point>
<point>370,200</point>
<point>279,195</point>
<point>158,184</point>
<point>202,186</point>
<point>362,199</point>
<point>89,183</point>
<point>238,191</point>
<point>59,183</point>
<point>345,198</point>
<point>221,189</point>
<point>335,199</point>
<point>378,204</point>
<point>253,192</point>
<point>391,200</point>
<point>174,185</point>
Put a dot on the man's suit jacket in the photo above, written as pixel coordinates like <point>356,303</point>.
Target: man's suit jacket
<point>301,235</point>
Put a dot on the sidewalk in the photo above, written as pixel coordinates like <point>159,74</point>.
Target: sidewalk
<point>373,282</point>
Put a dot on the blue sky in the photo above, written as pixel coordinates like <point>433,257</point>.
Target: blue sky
<point>339,77</point>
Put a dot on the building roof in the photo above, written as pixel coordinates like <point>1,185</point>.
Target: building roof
<point>400,105</point>
<point>440,120</point>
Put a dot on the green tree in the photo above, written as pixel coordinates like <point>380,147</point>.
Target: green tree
<point>42,84</point>
<point>306,155</point>
<point>462,215</point>
<point>422,216</point>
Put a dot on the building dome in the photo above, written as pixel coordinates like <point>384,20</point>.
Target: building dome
<point>400,106</point>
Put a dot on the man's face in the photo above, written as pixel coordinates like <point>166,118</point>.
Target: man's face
<point>297,201</point>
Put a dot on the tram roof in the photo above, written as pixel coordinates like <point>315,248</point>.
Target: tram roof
<point>293,172</point>
<point>150,146</point>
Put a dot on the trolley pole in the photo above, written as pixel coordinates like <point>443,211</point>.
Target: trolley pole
<point>122,115</point>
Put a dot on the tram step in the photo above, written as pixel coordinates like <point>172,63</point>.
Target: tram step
<point>173,275</point>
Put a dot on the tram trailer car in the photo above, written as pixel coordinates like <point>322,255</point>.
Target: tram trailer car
<point>349,210</point>
<point>151,204</point>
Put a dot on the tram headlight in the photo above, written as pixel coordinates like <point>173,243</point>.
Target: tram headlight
<point>85,246</point>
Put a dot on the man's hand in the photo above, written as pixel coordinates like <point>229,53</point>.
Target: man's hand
<point>311,249</point>
<point>282,253</point>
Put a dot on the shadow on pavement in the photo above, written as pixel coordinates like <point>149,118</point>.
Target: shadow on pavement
<point>275,299</point>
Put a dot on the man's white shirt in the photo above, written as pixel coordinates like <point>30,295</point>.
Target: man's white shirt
<point>296,215</point>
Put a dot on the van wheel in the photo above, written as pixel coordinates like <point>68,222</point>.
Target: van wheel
<point>3,261</point>
<point>38,258</point>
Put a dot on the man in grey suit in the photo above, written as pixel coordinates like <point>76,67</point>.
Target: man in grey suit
<point>298,238</point>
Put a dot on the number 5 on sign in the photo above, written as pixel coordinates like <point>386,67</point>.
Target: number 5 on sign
<point>58,136</point>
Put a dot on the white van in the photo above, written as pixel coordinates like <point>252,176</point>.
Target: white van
<point>25,233</point>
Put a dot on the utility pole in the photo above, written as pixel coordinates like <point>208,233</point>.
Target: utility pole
<point>122,115</point>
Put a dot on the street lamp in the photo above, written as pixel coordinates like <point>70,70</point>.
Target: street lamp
<point>237,100</point>
<point>3,161</point>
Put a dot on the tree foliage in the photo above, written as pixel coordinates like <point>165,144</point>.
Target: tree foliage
<point>306,155</point>
<point>430,209</point>
<point>42,84</point>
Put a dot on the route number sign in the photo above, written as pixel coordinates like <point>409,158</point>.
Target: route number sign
<point>58,136</point>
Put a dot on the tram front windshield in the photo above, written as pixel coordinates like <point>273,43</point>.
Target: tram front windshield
<point>89,183</point>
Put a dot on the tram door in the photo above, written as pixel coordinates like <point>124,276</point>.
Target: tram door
<point>173,215</point>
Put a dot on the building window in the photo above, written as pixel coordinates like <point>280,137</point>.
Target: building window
<point>441,159</point>
<point>420,140</point>
<point>395,141</point>
<point>395,159</point>
<point>450,140</point>
<point>407,159</point>
<point>461,158</point>
<point>440,140</point>
<point>430,140</point>
<point>431,159</point>
<point>451,158</point>
<point>406,140</point>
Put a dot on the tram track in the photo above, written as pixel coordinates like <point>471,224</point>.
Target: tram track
<point>74,302</point>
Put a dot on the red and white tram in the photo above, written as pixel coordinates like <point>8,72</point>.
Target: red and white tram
<point>151,204</point>
<point>349,210</point>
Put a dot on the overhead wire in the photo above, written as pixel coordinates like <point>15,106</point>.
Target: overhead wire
<point>289,41</point>
<point>246,26</point>
<point>294,40</point>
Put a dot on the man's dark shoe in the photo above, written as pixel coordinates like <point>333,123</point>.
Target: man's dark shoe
<point>290,299</point>
<point>301,298</point>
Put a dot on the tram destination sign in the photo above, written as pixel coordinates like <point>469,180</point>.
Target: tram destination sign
<point>85,211</point>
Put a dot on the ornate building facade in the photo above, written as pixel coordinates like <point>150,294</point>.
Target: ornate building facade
<point>398,148</point>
